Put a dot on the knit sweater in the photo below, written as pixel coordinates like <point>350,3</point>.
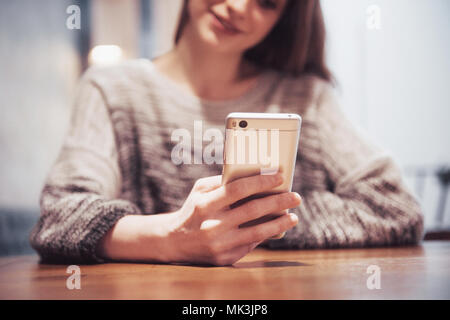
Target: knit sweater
<point>116,161</point>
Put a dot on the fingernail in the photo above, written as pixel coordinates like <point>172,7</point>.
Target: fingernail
<point>294,197</point>
<point>293,217</point>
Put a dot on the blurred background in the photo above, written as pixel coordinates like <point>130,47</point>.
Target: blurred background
<point>391,60</point>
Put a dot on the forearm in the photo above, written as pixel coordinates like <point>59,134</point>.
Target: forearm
<point>72,223</point>
<point>144,238</point>
<point>328,220</point>
<point>360,200</point>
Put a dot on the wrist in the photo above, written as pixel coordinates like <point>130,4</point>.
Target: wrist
<point>156,237</point>
<point>122,236</point>
<point>139,238</point>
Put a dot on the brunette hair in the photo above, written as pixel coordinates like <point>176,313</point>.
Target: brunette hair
<point>296,44</point>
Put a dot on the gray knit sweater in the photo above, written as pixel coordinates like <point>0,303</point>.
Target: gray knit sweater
<point>116,161</point>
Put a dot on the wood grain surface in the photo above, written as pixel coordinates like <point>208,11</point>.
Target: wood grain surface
<point>421,272</point>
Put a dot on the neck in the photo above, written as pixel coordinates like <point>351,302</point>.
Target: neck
<point>207,71</point>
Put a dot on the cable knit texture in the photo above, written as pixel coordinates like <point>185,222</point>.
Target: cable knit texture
<point>116,161</point>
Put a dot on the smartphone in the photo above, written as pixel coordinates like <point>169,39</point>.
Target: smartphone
<point>261,143</point>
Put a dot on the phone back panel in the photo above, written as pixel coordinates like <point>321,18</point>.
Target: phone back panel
<point>267,144</point>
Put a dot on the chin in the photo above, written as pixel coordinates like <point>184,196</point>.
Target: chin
<point>210,38</point>
<point>219,44</point>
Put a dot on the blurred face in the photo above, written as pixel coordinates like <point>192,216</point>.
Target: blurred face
<point>233,25</point>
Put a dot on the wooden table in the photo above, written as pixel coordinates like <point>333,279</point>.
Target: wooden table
<point>421,272</point>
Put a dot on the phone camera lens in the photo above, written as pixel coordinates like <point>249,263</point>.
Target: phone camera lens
<point>243,124</point>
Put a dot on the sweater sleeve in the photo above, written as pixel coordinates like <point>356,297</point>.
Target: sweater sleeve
<point>79,201</point>
<point>365,202</point>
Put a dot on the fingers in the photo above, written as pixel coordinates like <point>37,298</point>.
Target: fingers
<point>278,236</point>
<point>241,188</point>
<point>208,183</point>
<point>265,230</point>
<point>234,254</point>
<point>260,207</point>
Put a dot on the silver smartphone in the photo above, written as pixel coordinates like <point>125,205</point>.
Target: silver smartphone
<point>261,143</point>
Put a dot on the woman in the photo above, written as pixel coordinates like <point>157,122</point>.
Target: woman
<point>115,194</point>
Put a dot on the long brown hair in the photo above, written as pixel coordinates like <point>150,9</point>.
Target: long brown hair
<point>296,44</point>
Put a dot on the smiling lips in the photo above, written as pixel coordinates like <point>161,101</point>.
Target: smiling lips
<point>224,25</point>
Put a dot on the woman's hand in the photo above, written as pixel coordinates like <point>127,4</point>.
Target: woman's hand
<point>206,231</point>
